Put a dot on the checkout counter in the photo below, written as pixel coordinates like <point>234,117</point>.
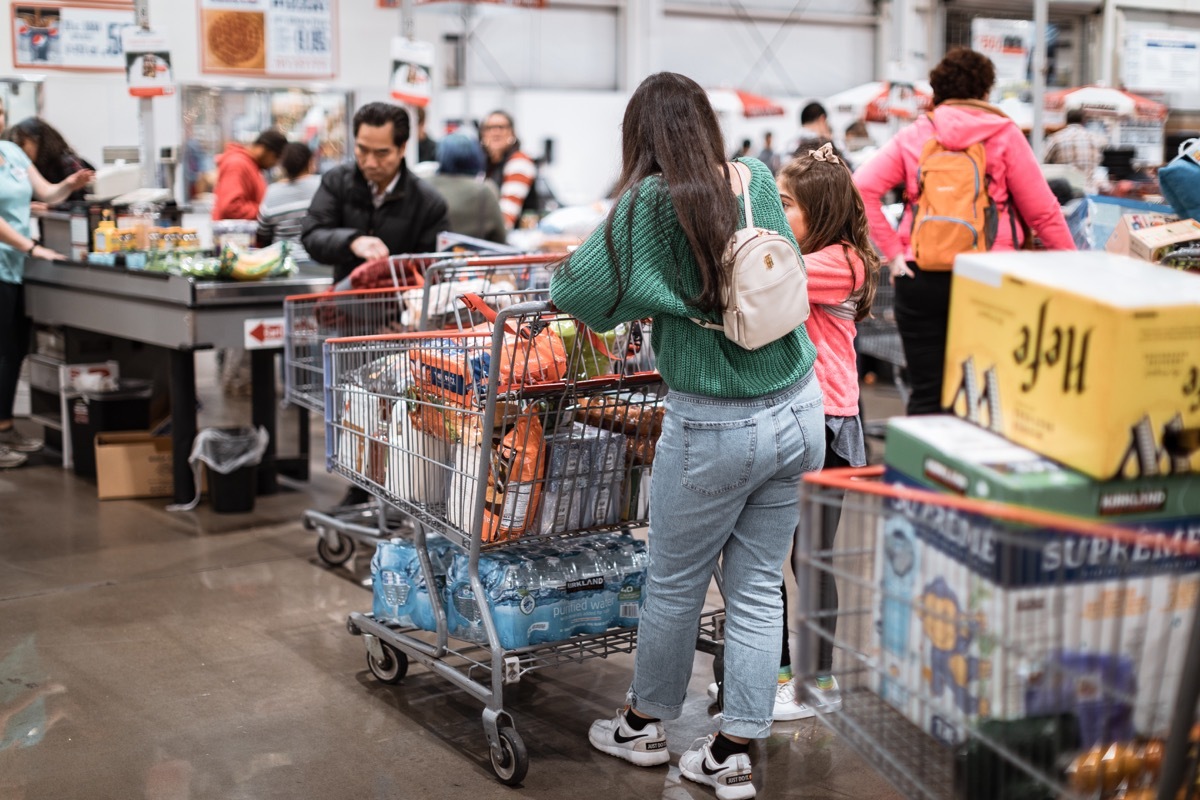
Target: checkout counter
<point>181,315</point>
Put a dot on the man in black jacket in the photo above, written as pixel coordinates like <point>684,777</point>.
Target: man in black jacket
<point>375,206</point>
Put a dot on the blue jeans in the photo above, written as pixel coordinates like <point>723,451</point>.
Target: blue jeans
<point>725,481</point>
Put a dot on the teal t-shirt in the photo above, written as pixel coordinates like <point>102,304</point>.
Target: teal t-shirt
<point>16,192</point>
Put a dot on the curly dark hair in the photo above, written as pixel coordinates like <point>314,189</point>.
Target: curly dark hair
<point>962,75</point>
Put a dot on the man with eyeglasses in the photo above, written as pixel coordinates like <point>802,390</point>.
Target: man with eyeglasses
<point>513,172</point>
<point>373,207</point>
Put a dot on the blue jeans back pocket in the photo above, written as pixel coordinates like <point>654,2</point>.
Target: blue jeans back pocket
<point>718,456</point>
<point>810,415</point>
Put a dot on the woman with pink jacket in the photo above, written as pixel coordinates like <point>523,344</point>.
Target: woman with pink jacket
<point>960,118</point>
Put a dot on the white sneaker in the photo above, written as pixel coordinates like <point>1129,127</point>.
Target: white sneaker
<point>825,694</point>
<point>788,706</point>
<point>732,779</point>
<point>714,691</point>
<point>645,748</point>
<point>13,440</point>
<point>11,458</point>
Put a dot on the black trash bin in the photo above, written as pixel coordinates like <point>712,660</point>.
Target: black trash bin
<point>233,492</point>
<point>126,408</point>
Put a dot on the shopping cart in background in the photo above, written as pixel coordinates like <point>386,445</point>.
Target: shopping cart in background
<point>991,652</point>
<point>422,293</point>
<point>518,450</point>
<point>879,338</point>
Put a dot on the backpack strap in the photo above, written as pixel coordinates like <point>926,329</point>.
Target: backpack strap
<point>743,189</point>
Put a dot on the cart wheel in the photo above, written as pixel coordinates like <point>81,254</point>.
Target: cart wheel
<point>392,669</point>
<point>511,762</point>
<point>335,556</point>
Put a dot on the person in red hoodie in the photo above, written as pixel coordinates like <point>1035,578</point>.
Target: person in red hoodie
<point>960,118</point>
<point>240,185</point>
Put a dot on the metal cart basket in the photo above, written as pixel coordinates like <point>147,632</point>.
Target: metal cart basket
<point>481,437</point>
<point>993,652</point>
<point>422,296</point>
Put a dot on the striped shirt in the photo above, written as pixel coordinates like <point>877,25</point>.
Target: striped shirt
<point>516,181</point>
<point>1077,146</point>
<point>282,211</point>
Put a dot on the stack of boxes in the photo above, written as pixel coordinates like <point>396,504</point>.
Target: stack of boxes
<point>1081,376</point>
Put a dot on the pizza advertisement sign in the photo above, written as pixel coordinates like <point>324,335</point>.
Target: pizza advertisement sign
<point>70,36</point>
<point>269,38</point>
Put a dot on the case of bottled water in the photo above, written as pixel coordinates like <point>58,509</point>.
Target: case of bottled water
<point>401,593</point>
<point>541,594</point>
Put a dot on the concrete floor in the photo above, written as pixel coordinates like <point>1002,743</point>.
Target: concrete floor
<point>149,654</point>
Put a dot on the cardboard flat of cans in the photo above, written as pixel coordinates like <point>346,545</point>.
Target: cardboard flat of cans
<point>1088,358</point>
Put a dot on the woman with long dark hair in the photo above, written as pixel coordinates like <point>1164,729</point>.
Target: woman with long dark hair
<point>739,430</point>
<point>48,151</point>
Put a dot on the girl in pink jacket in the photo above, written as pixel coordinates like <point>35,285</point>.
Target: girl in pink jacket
<point>960,118</point>
<point>827,218</point>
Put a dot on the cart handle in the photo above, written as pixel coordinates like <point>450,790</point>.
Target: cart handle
<point>865,480</point>
<point>409,336</point>
<point>349,294</point>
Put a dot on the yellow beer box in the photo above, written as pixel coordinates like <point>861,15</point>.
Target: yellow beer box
<point>1088,358</point>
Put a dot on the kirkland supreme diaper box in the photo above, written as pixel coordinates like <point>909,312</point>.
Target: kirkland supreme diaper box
<point>1088,358</point>
<point>981,618</point>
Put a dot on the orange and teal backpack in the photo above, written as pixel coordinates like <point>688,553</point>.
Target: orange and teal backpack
<point>953,212</point>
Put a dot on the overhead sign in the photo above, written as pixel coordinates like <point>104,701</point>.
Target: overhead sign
<point>147,63</point>
<point>68,36</point>
<point>1162,60</point>
<point>412,71</point>
<point>1007,43</point>
<point>515,3</point>
<point>263,334</point>
<point>268,38</point>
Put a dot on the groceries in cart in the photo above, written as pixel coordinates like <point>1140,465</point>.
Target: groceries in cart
<point>1083,357</point>
<point>958,584</point>
<point>547,592</point>
<point>538,593</point>
<point>402,595</point>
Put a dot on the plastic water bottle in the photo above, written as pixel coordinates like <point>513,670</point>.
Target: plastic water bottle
<point>590,608</point>
<point>631,561</point>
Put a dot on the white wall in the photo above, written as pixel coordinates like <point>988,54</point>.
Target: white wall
<point>563,72</point>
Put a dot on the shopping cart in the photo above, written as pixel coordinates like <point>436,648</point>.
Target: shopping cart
<point>422,295</point>
<point>471,434</point>
<point>992,652</point>
<point>879,338</point>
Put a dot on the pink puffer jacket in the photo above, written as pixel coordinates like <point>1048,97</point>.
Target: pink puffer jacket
<point>1011,166</point>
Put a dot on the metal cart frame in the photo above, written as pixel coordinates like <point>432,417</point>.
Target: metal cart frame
<point>483,669</point>
<point>891,709</point>
<point>311,319</point>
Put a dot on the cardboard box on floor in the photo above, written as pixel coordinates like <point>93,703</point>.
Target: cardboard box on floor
<point>133,464</point>
<point>1087,358</point>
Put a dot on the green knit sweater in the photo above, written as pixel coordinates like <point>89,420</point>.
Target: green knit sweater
<point>662,273</point>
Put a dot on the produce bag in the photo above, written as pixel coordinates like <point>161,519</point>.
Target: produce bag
<point>531,354</point>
